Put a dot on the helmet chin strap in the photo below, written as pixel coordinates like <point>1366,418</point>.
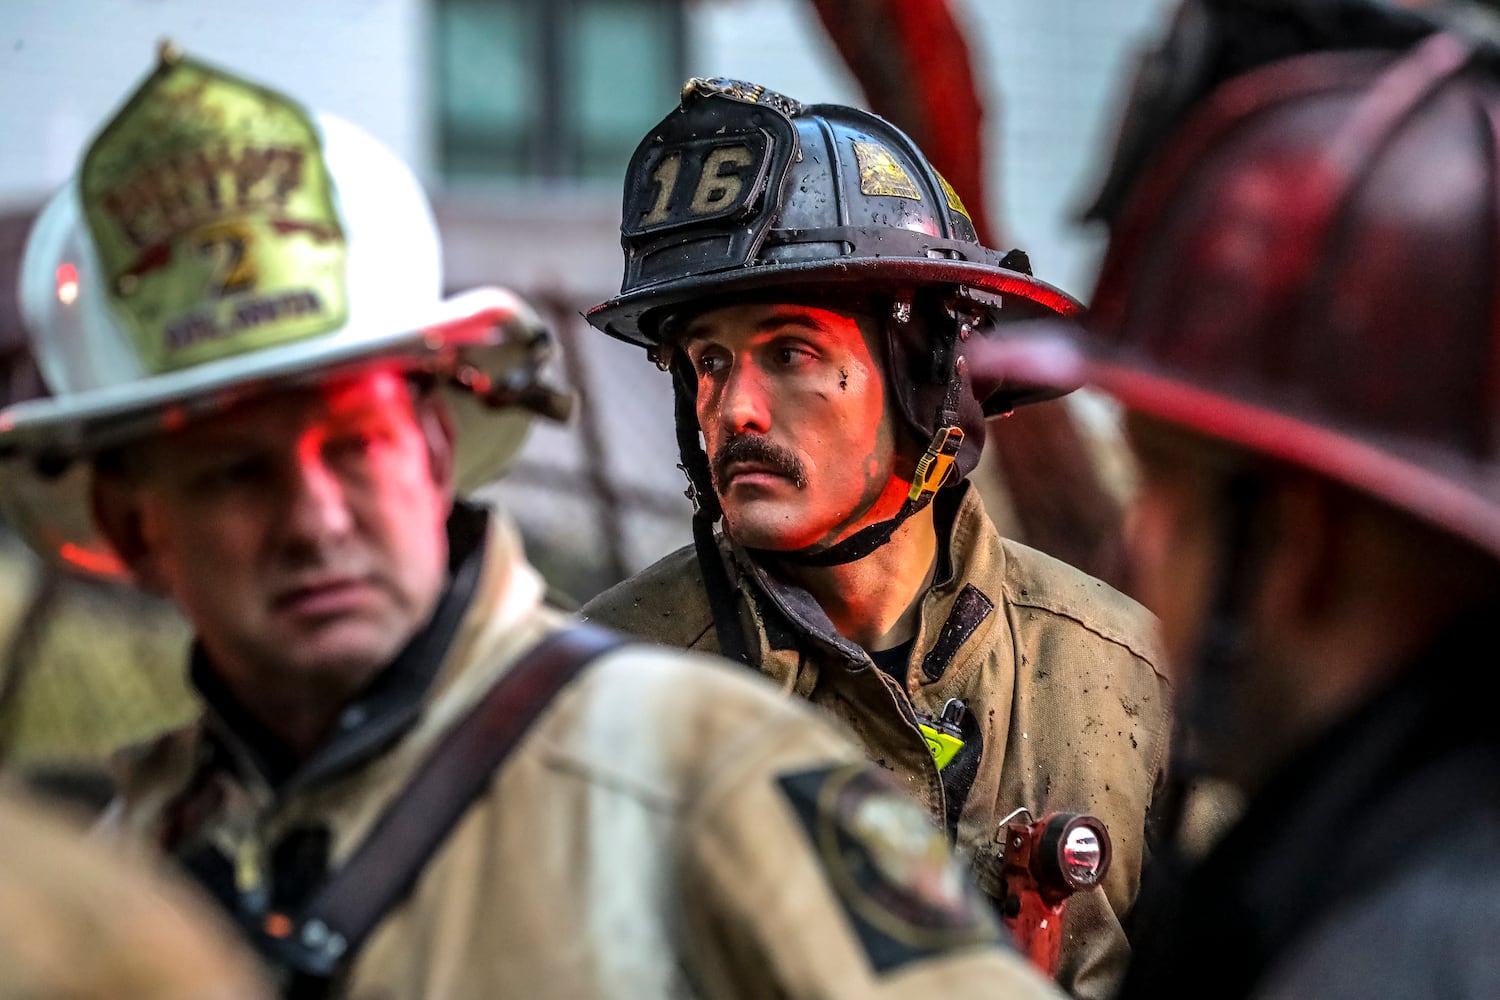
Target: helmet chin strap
<point>722,594</point>
<point>933,469</point>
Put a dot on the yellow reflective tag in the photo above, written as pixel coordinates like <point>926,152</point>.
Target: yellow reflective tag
<point>943,746</point>
<point>954,201</point>
<point>880,174</point>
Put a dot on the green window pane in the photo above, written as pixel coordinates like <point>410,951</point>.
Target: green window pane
<point>552,88</point>
<point>628,77</point>
<point>486,86</point>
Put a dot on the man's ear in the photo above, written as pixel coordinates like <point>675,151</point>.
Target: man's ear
<point>115,505</point>
<point>437,431</point>
<point>1300,567</point>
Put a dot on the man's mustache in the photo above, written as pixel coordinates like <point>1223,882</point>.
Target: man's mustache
<point>755,449</point>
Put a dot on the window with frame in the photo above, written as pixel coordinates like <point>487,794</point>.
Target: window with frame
<point>555,90</point>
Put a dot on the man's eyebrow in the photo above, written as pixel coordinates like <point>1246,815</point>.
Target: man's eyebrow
<point>777,321</point>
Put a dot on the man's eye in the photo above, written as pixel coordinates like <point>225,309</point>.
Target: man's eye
<point>348,445</point>
<point>792,355</point>
<point>243,472</point>
<point>711,364</point>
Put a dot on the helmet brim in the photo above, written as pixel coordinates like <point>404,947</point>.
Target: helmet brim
<point>1442,487</point>
<point>629,317</point>
<point>1447,490</point>
<point>44,486</point>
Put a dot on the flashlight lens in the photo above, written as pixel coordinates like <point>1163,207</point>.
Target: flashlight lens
<point>1081,855</point>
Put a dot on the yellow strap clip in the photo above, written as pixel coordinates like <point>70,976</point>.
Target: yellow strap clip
<point>943,746</point>
<point>933,466</point>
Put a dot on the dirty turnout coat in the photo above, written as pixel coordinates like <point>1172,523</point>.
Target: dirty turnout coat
<point>669,826</point>
<point>1059,673</point>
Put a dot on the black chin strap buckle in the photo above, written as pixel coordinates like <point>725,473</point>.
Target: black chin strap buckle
<point>935,464</point>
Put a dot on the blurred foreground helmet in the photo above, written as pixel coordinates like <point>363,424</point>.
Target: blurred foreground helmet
<point>218,240</point>
<point>1310,268</point>
<point>741,193</point>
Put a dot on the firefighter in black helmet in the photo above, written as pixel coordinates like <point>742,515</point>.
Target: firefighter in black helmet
<point>1298,310</point>
<point>812,285</point>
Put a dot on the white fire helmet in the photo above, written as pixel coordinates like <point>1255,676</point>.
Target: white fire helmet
<point>216,240</point>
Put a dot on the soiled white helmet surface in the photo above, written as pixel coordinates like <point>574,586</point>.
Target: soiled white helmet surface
<point>218,239</point>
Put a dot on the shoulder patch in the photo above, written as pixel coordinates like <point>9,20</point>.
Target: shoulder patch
<point>889,866</point>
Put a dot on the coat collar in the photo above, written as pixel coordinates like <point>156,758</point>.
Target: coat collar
<point>954,609</point>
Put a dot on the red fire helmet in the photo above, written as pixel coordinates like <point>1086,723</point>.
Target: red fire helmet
<point>1310,268</point>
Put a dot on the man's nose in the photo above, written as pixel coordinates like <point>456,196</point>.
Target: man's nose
<point>743,403</point>
<point>317,502</point>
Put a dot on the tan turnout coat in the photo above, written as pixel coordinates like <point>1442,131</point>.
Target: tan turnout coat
<point>668,828</point>
<point>1059,669</point>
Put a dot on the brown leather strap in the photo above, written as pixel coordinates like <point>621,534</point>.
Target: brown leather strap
<point>381,872</point>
